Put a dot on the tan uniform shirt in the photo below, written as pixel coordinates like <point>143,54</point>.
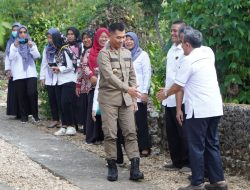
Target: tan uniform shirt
<point>116,76</point>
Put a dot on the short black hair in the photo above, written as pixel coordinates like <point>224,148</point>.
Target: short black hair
<point>116,26</point>
<point>183,23</point>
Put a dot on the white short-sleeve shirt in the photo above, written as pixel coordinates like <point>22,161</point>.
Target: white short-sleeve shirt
<point>174,56</point>
<point>197,75</point>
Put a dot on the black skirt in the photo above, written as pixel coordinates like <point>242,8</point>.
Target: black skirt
<point>12,104</point>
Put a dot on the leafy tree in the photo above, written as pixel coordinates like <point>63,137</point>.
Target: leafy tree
<point>225,27</point>
<point>224,24</point>
<point>4,28</point>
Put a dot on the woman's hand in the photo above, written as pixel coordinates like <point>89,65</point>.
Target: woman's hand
<point>16,43</point>
<point>8,74</point>
<point>94,116</point>
<point>30,43</point>
<point>144,98</point>
<point>78,91</point>
<point>55,69</point>
<point>93,80</point>
<point>42,83</point>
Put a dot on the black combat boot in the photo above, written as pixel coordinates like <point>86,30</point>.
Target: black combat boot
<point>112,170</point>
<point>135,173</point>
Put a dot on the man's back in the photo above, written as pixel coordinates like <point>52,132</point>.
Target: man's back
<point>201,89</point>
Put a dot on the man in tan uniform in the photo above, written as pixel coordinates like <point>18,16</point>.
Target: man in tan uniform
<point>117,89</point>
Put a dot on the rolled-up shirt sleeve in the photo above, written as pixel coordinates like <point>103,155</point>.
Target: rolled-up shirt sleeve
<point>183,73</point>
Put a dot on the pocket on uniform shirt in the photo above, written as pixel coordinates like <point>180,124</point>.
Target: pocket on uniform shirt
<point>115,65</point>
<point>127,62</point>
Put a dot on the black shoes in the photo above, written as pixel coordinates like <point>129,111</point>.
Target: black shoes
<point>112,170</point>
<point>220,185</point>
<point>135,173</point>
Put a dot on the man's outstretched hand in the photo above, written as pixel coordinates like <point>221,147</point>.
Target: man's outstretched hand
<point>134,93</point>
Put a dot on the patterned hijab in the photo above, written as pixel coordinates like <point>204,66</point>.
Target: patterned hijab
<point>59,41</point>
<point>136,51</point>
<point>24,49</point>
<point>90,33</point>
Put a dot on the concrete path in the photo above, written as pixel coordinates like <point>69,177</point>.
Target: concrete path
<point>84,169</point>
<point>5,187</point>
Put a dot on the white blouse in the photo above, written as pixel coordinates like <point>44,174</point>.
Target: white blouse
<point>66,73</point>
<point>16,65</point>
<point>46,73</point>
<point>7,64</point>
<point>95,99</point>
<point>143,72</point>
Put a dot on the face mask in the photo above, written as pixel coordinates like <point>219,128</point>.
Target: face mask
<point>14,33</point>
<point>22,40</point>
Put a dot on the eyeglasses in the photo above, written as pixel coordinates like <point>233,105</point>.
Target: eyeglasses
<point>22,32</point>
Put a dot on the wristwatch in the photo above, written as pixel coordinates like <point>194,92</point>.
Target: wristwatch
<point>166,93</point>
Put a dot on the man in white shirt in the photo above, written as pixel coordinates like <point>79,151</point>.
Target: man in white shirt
<point>175,137</point>
<point>203,107</point>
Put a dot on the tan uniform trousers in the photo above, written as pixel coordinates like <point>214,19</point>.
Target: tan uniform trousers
<point>125,116</point>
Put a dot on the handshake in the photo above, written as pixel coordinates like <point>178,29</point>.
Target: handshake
<point>135,93</point>
<point>162,94</point>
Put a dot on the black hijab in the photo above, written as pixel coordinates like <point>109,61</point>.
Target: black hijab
<point>76,33</point>
<point>58,40</point>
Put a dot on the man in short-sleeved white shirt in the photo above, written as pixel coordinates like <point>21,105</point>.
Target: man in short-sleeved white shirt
<point>176,139</point>
<point>203,107</point>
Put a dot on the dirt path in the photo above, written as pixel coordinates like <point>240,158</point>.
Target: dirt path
<point>151,166</point>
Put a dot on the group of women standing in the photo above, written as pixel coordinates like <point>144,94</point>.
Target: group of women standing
<point>69,71</point>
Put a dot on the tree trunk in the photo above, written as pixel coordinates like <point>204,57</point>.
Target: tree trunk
<point>157,28</point>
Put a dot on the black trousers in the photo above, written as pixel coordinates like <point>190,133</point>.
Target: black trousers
<point>177,140</point>
<point>204,149</point>
<point>66,96</point>
<point>27,95</point>
<point>98,133</point>
<point>144,139</point>
<point>12,103</point>
<point>53,102</point>
<point>90,137</point>
<point>81,109</point>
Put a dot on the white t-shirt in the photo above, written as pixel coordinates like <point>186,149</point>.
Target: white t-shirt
<point>174,56</point>
<point>198,76</point>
